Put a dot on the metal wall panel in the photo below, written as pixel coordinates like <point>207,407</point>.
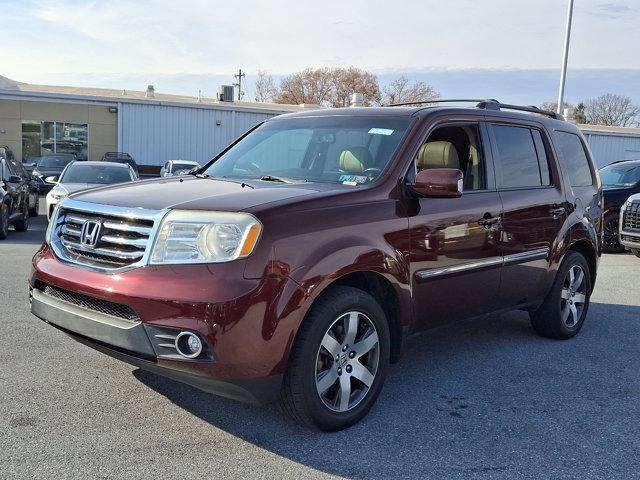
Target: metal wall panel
<point>153,134</point>
<point>608,148</point>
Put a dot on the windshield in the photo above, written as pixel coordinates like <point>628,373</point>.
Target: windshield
<point>620,175</point>
<point>346,149</point>
<point>55,161</point>
<point>96,174</point>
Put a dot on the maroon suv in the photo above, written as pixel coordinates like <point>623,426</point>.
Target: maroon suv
<point>298,261</point>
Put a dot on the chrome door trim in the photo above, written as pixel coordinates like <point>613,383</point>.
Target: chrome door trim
<point>460,267</point>
<point>537,254</point>
<point>514,258</point>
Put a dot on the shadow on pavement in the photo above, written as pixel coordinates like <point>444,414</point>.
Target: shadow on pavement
<point>479,398</point>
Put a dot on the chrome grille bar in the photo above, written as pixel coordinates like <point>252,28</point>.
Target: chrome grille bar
<point>124,240</point>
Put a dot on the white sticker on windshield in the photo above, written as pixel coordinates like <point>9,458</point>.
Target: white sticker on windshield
<point>381,131</point>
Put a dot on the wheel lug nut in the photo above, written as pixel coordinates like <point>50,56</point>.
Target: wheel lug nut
<point>352,354</point>
<point>344,349</point>
<point>349,368</point>
<point>339,371</point>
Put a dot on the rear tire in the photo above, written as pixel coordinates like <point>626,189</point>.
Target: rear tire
<point>611,240</point>
<point>562,314</point>
<point>4,221</point>
<point>33,212</point>
<point>636,253</point>
<point>22,225</point>
<point>343,339</point>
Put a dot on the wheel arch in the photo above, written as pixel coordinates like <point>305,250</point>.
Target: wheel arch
<point>585,248</point>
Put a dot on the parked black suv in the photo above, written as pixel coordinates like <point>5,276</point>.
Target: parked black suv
<point>15,192</point>
<point>620,180</point>
<point>121,157</point>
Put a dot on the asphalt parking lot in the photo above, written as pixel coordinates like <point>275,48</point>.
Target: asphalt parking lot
<point>479,399</point>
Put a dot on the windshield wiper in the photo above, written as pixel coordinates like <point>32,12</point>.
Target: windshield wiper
<point>274,178</point>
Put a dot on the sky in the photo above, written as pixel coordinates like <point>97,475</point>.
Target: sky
<point>509,49</point>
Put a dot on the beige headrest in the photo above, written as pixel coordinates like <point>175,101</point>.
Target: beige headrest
<point>355,159</point>
<point>438,154</point>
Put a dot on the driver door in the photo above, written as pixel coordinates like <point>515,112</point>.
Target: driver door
<point>455,260</point>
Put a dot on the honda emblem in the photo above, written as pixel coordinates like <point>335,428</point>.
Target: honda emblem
<point>90,233</point>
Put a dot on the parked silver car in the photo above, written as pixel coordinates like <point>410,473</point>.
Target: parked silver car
<point>78,176</point>
<point>630,224</point>
<point>178,167</point>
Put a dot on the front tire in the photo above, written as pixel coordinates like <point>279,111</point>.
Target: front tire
<point>22,225</point>
<point>562,314</point>
<point>339,360</point>
<point>611,240</point>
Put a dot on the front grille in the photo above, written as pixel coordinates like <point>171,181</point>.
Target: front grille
<point>90,303</point>
<point>122,239</point>
<point>631,218</point>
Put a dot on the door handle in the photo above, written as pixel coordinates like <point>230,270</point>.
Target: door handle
<point>487,220</point>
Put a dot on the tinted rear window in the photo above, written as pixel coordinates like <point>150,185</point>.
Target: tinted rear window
<point>575,159</point>
<point>522,157</point>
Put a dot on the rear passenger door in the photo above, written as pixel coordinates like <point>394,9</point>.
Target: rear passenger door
<point>534,208</point>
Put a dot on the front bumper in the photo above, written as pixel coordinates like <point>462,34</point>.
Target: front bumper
<point>630,239</point>
<point>247,339</point>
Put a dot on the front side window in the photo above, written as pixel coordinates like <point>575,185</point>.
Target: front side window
<point>345,149</point>
<point>620,175</point>
<point>455,147</point>
<point>575,159</point>
<point>522,158</point>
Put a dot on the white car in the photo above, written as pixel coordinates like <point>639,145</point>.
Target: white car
<point>178,167</point>
<point>78,176</point>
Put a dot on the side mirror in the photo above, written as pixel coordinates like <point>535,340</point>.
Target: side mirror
<point>438,182</point>
<point>14,179</point>
<point>53,179</point>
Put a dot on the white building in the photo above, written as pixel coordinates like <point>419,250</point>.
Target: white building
<point>153,127</point>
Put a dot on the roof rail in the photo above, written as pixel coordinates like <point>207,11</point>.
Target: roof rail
<point>487,104</point>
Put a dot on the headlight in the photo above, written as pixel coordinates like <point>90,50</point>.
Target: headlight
<point>55,196</point>
<point>187,236</point>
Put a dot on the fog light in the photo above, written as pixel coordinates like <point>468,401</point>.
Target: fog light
<point>188,345</point>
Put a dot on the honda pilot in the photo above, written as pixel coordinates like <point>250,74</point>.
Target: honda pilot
<point>296,264</point>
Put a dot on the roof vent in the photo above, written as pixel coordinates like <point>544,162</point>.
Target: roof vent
<point>357,100</point>
<point>150,93</point>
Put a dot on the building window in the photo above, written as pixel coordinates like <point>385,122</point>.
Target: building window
<point>44,138</point>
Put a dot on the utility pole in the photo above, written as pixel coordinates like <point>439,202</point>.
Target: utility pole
<point>565,58</point>
<point>239,76</point>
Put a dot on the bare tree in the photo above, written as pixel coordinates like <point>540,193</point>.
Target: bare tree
<point>352,80</point>
<point>265,87</point>
<point>403,90</point>
<point>612,109</point>
<point>552,106</point>
<point>328,87</point>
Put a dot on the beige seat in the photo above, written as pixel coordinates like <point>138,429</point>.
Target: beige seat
<point>439,154</point>
<point>355,159</point>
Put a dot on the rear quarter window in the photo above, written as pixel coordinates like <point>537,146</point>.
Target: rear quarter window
<point>574,157</point>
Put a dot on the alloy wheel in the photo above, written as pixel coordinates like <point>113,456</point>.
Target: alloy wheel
<point>573,296</point>
<point>347,361</point>
<point>610,234</point>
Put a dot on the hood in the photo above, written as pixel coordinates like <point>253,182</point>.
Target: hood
<point>69,188</point>
<point>193,193</point>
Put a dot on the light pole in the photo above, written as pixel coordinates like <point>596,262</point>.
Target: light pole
<point>565,57</point>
